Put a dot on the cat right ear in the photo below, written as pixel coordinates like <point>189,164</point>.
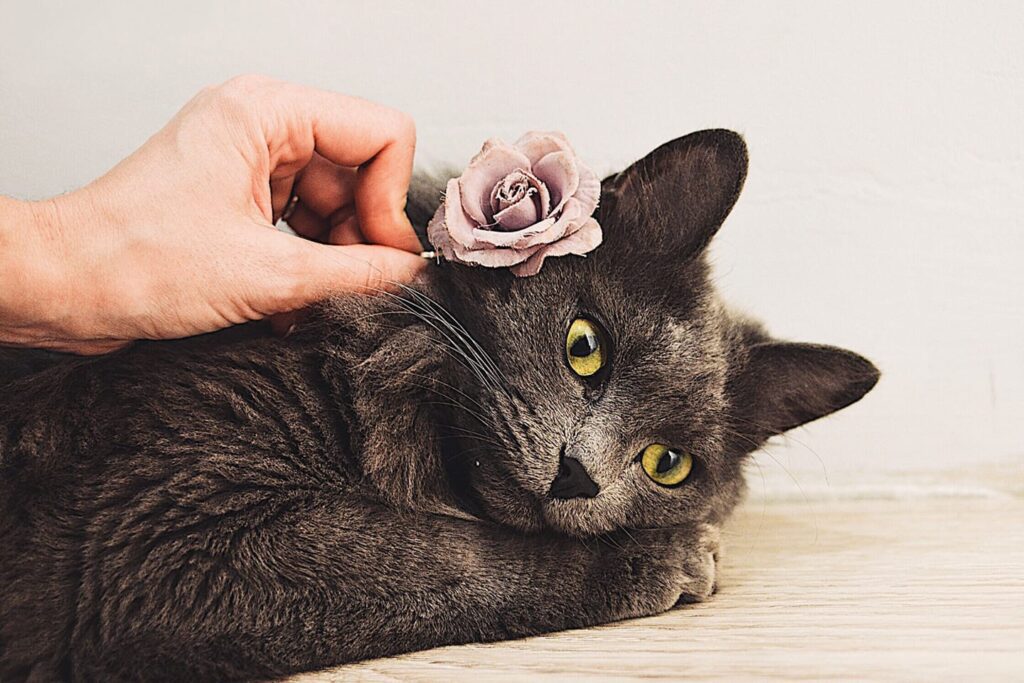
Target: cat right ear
<point>675,199</point>
<point>784,385</point>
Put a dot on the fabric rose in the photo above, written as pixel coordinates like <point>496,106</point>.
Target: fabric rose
<point>516,205</point>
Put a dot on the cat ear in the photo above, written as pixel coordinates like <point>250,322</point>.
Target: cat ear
<point>675,198</point>
<point>785,385</point>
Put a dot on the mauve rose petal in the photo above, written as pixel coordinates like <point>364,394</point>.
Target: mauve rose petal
<point>437,233</point>
<point>589,192</point>
<point>460,226</point>
<point>570,217</point>
<point>502,239</point>
<point>495,161</point>
<point>558,171</point>
<point>492,258</point>
<point>584,240</point>
<point>536,144</point>
<point>544,198</point>
<point>520,215</point>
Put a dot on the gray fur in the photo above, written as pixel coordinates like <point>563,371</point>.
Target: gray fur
<point>236,506</point>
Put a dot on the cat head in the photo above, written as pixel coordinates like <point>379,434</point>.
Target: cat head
<point>615,390</point>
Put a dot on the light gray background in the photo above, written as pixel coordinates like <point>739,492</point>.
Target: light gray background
<point>883,209</point>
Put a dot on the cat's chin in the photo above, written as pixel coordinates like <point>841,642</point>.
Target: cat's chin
<point>579,517</point>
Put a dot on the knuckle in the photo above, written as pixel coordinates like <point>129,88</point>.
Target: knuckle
<point>240,94</point>
<point>208,90</point>
<point>404,126</point>
<point>247,83</point>
<point>407,124</point>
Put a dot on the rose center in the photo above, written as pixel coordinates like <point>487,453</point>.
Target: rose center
<point>512,189</point>
<point>517,201</point>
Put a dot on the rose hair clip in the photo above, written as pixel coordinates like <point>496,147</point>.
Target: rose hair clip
<point>516,205</point>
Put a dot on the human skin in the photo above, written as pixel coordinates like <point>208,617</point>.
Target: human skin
<point>179,238</point>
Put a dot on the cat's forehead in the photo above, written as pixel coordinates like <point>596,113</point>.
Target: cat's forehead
<point>678,320</point>
<point>669,360</point>
<point>669,321</point>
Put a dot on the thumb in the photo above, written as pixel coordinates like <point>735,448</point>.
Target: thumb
<point>327,269</point>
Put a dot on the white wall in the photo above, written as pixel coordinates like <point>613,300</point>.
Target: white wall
<point>884,204</point>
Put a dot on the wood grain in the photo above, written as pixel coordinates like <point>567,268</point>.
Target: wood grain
<point>921,589</point>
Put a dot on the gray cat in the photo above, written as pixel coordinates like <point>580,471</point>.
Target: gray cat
<point>536,454</point>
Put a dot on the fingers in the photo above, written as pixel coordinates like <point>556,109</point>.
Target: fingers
<point>326,195</point>
<point>347,131</point>
<point>346,231</point>
<point>303,272</point>
<point>341,227</point>
<point>280,194</point>
<point>379,206</point>
<point>381,142</point>
<point>283,324</point>
<point>328,270</point>
<point>364,268</point>
<point>308,224</point>
<point>325,187</point>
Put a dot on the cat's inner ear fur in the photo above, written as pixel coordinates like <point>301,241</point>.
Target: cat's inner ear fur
<point>784,385</point>
<point>675,198</point>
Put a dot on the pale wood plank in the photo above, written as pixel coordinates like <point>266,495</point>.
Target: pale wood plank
<point>915,590</point>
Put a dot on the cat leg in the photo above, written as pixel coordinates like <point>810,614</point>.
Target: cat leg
<point>332,580</point>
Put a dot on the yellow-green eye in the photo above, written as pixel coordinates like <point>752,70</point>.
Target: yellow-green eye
<point>664,465</point>
<point>585,348</point>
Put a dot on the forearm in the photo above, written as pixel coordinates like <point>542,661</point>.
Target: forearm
<point>438,581</point>
<point>341,583</point>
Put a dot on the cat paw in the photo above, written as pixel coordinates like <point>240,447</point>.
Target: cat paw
<point>669,567</point>
<point>701,566</point>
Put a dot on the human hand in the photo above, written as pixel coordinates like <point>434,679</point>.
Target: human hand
<point>179,238</point>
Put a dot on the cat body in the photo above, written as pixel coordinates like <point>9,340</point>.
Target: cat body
<point>400,474</point>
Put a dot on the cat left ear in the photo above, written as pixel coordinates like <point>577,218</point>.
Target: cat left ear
<point>675,199</point>
<point>785,385</point>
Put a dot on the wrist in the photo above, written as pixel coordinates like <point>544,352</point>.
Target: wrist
<point>34,270</point>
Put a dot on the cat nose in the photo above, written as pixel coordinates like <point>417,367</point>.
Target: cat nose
<point>572,480</point>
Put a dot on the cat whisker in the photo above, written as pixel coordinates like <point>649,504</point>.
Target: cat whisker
<point>440,308</point>
<point>477,435</point>
<point>789,436</point>
<point>431,312</point>
<point>495,379</point>
<point>481,365</point>
<point>451,402</point>
<point>445,343</point>
<point>633,538</point>
<point>763,448</point>
<point>434,380</point>
<point>609,541</point>
<point>444,347</point>
<point>473,361</point>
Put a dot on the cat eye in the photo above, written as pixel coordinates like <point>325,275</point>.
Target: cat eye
<point>586,348</point>
<point>664,465</point>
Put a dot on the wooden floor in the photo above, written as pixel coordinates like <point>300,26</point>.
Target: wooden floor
<point>920,589</point>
